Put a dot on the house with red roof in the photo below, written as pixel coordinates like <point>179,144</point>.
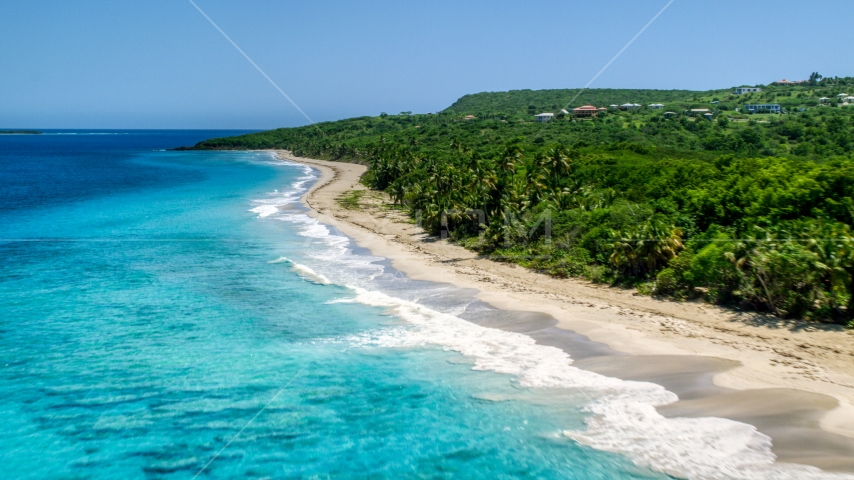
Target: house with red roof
<point>585,111</point>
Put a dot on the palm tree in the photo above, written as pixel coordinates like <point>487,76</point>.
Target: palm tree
<point>661,244</point>
<point>624,253</point>
<point>834,246</point>
<point>535,178</point>
<point>829,244</point>
<point>646,248</point>
<point>509,157</point>
<point>559,165</point>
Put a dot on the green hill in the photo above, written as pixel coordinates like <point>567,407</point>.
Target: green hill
<point>753,210</point>
<point>517,103</point>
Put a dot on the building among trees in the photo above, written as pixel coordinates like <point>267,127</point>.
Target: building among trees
<point>762,108</point>
<point>741,90</point>
<point>585,111</point>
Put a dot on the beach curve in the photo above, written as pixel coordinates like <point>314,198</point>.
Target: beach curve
<point>784,379</point>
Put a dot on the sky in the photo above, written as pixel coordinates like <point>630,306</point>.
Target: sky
<point>161,64</point>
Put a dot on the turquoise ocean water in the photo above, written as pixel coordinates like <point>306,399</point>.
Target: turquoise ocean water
<point>171,314</point>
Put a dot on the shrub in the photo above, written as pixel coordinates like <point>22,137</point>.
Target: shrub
<point>711,269</point>
<point>668,282</point>
<point>778,274</point>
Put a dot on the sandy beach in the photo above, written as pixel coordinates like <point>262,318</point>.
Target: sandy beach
<point>793,380</point>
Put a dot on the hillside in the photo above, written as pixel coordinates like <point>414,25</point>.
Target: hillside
<point>752,210</point>
<point>519,103</point>
<point>816,132</point>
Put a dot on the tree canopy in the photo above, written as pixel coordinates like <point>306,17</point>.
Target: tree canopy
<point>748,210</point>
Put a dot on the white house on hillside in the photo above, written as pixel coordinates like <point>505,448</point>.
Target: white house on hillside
<point>545,117</point>
<point>762,107</point>
<point>656,105</point>
<point>740,90</point>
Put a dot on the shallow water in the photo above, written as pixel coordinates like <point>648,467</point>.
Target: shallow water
<point>167,314</point>
<point>145,323</point>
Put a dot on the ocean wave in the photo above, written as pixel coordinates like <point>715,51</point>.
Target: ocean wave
<point>264,211</point>
<point>270,206</point>
<point>304,271</point>
<point>309,274</point>
<point>340,300</point>
<point>335,250</point>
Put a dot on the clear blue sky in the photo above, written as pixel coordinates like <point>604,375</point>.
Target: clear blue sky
<point>160,64</point>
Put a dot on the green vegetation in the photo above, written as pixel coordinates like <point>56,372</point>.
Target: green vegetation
<point>351,199</point>
<point>753,211</point>
<point>521,104</point>
<point>20,132</point>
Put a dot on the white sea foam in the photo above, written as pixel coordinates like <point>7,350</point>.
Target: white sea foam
<point>623,418</point>
<point>623,415</point>
<point>305,272</point>
<point>340,300</point>
<point>333,253</point>
<point>270,206</point>
<point>308,274</point>
<point>265,210</point>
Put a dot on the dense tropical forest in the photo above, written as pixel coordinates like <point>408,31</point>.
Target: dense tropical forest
<point>748,210</point>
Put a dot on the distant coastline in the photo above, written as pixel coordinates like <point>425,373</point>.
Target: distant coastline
<point>20,132</point>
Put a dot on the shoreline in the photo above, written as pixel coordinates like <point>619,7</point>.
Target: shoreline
<point>794,381</point>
